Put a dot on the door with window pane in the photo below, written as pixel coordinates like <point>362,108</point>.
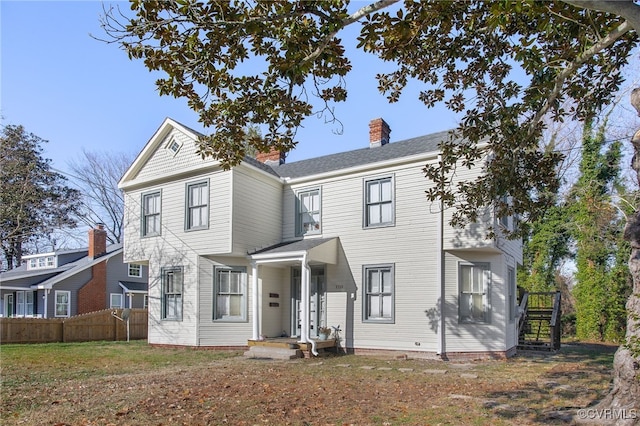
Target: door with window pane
<point>317,301</point>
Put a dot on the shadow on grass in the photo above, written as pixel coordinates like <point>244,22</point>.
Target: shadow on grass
<point>574,378</point>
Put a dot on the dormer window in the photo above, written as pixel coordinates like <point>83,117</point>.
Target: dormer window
<point>41,262</point>
<point>174,146</point>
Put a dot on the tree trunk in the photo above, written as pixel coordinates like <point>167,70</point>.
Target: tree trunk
<point>622,405</point>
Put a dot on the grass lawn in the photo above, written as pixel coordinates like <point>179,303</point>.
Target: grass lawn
<point>120,383</point>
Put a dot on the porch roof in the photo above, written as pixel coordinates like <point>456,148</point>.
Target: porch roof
<point>317,250</point>
<point>133,287</point>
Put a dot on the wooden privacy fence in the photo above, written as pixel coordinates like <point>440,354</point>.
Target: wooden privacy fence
<point>100,325</point>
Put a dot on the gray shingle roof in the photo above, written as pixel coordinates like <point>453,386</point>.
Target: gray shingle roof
<point>133,286</point>
<point>292,246</point>
<point>359,157</point>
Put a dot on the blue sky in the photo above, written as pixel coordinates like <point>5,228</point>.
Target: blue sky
<point>80,93</point>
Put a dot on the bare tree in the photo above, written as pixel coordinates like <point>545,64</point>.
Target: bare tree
<point>97,175</point>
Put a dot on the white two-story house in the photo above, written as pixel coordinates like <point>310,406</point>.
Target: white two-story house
<point>271,249</point>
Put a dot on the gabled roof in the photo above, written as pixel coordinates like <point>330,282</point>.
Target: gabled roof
<point>421,145</point>
<point>134,287</point>
<point>60,273</point>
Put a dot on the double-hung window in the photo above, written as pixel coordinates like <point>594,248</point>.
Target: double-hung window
<point>172,279</point>
<point>151,207</point>
<point>63,303</point>
<point>475,285</point>
<point>379,204</point>
<point>24,303</point>
<point>379,293</point>
<point>308,212</point>
<point>230,294</point>
<point>115,301</point>
<point>197,209</point>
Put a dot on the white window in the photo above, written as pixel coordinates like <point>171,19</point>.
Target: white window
<point>115,300</point>
<point>145,303</point>
<point>378,201</point>
<point>174,146</point>
<point>379,293</point>
<point>172,279</point>
<point>41,262</point>
<point>50,262</point>
<point>151,214</point>
<point>63,303</point>
<point>197,209</point>
<point>511,297</point>
<point>135,270</point>
<point>475,283</point>
<point>308,212</point>
<point>230,294</point>
<point>24,303</point>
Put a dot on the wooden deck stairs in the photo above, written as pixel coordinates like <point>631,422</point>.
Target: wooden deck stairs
<point>539,325</point>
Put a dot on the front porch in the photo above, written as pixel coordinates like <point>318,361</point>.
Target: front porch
<point>286,348</point>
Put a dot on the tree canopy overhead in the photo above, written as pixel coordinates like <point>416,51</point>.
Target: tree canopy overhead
<point>269,63</point>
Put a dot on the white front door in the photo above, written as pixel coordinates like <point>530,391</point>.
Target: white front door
<point>317,301</point>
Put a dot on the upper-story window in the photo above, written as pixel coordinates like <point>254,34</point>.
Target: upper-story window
<point>151,208</point>
<point>378,202</point>
<point>174,146</point>
<point>308,212</point>
<point>135,270</point>
<point>42,262</point>
<point>197,208</point>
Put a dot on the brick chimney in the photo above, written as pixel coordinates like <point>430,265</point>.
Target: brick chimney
<point>97,241</point>
<point>271,158</point>
<point>379,132</point>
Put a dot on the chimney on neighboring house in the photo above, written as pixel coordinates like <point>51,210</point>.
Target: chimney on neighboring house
<point>271,158</point>
<point>97,241</point>
<point>379,132</point>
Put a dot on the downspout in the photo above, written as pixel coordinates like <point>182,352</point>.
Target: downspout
<point>304,331</point>
<point>440,271</point>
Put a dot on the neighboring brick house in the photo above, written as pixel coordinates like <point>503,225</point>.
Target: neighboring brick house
<point>269,249</point>
<point>71,282</point>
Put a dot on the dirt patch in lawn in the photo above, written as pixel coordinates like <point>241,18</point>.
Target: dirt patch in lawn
<point>334,390</point>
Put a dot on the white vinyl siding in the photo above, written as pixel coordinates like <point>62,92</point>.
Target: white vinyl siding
<point>308,212</point>
<point>378,293</point>
<point>379,209</point>
<point>512,302</point>
<point>230,294</point>
<point>475,287</point>
<point>63,303</point>
<point>115,300</point>
<point>151,210</point>
<point>172,279</point>
<point>197,206</point>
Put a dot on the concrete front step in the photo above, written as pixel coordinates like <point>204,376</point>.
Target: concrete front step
<point>272,352</point>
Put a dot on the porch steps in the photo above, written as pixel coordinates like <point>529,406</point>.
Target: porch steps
<point>273,352</point>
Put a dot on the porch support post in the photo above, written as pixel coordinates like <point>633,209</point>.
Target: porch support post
<point>255,305</point>
<point>304,326</point>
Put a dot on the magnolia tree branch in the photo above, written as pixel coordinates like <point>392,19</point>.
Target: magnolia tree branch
<point>572,67</point>
<point>627,9</point>
<point>360,13</point>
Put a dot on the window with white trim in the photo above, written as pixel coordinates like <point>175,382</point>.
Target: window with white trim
<point>115,300</point>
<point>308,212</point>
<point>197,205</point>
<point>230,294</point>
<point>475,286</point>
<point>378,293</point>
<point>24,303</point>
<point>151,208</point>
<point>172,280</point>
<point>135,270</point>
<point>63,303</point>
<point>512,290</point>
<point>174,146</point>
<point>378,202</point>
